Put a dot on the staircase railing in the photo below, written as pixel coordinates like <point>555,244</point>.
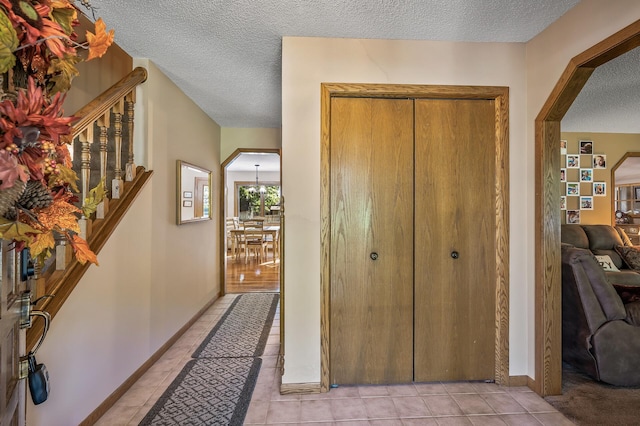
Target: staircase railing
<point>105,126</point>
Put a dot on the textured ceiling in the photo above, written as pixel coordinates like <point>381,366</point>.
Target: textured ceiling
<point>226,54</point>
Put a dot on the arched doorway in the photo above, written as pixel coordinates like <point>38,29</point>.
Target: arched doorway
<point>548,316</point>
<point>250,189</point>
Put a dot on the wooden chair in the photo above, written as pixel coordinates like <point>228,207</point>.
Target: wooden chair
<point>254,241</point>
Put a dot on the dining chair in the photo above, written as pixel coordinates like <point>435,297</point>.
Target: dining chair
<point>254,241</point>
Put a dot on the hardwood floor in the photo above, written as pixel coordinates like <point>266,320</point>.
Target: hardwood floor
<point>252,276</point>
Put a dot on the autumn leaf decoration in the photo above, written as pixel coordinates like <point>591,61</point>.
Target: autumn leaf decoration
<point>39,51</point>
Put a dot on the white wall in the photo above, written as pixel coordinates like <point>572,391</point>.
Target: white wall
<point>153,277</point>
<point>306,63</point>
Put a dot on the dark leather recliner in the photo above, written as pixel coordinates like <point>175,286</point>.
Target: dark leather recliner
<point>600,334</point>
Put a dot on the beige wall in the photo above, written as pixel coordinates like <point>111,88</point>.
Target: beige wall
<point>233,138</point>
<point>154,275</point>
<point>614,145</point>
<point>307,62</point>
<point>530,71</point>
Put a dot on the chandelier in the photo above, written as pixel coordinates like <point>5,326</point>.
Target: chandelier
<point>258,188</point>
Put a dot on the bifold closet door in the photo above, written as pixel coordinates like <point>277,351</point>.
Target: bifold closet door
<point>371,322</point>
<point>455,211</point>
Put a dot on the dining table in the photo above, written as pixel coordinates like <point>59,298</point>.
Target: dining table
<point>271,230</point>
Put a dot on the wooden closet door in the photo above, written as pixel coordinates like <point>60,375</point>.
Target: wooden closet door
<point>371,325</point>
<point>455,213</point>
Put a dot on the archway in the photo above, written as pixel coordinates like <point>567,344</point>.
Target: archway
<point>548,317</point>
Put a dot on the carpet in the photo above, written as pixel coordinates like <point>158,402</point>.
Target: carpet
<point>215,387</point>
<point>243,330</point>
<point>587,402</point>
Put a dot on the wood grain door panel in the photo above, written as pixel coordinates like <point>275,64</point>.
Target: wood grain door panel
<point>455,212</point>
<point>371,325</point>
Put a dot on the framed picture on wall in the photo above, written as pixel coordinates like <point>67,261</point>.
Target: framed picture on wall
<point>563,147</point>
<point>599,189</point>
<point>573,216</point>
<point>599,161</point>
<point>573,189</point>
<point>563,175</point>
<point>573,161</point>
<point>563,202</point>
<point>586,202</point>
<point>586,175</point>
<point>586,147</point>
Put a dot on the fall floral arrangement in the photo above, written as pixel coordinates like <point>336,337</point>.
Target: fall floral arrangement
<point>38,56</point>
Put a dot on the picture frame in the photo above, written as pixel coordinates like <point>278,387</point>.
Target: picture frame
<point>573,189</point>
<point>563,147</point>
<point>573,161</point>
<point>187,194</point>
<point>194,193</point>
<point>586,147</point>
<point>563,202</point>
<point>573,216</point>
<point>187,203</point>
<point>599,161</point>
<point>599,189</point>
<point>586,202</point>
<point>586,175</point>
<point>563,175</point>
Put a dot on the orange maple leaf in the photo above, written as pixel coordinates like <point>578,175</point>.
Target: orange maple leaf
<point>82,251</point>
<point>100,41</point>
<point>59,215</point>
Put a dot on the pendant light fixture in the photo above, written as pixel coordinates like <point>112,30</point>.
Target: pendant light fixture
<point>258,188</point>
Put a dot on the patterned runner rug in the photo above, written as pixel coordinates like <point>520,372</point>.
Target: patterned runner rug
<point>243,330</point>
<point>215,388</point>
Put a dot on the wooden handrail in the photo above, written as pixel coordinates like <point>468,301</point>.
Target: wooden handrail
<point>99,106</point>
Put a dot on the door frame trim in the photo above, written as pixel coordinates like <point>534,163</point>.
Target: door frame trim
<point>548,279</point>
<point>501,97</point>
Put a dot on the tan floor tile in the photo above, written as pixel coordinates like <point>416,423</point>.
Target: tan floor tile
<point>380,408</point>
<point>392,422</point>
<point>520,420</point>
<point>257,412</point>
<point>430,389</point>
<point>454,421</point>
<point>283,412</point>
<point>459,387</point>
<point>411,406</point>
<point>472,404</point>
<point>402,390</point>
<point>486,421</point>
<point>532,402</point>
<point>442,405</point>
<point>373,390</point>
<point>503,403</point>
<point>553,419</point>
<point>344,392</point>
<point>318,410</point>
<point>348,409</point>
<point>481,387</point>
<point>420,422</point>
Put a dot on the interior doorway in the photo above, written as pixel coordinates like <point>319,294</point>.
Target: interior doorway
<point>251,221</point>
<point>548,283</point>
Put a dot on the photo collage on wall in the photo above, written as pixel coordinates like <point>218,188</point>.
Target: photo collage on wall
<point>580,186</point>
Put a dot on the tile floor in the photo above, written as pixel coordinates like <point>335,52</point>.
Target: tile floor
<point>413,404</point>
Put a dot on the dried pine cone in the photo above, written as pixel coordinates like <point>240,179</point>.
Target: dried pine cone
<point>35,195</point>
<point>9,196</point>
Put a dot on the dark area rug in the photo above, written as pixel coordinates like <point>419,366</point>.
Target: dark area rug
<point>215,387</point>
<point>587,402</point>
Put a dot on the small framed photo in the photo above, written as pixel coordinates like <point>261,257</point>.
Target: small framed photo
<point>586,147</point>
<point>563,147</point>
<point>563,175</point>
<point>573,161</point>
<point>599,161</point>
<point>573,189</point>
<point>187,194</point>
<point>187,203</point>
<point>573,216</point>
<point>563,202</point>
<point>586,202</point>
<point>586,175</point>
<point>599,189</point>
